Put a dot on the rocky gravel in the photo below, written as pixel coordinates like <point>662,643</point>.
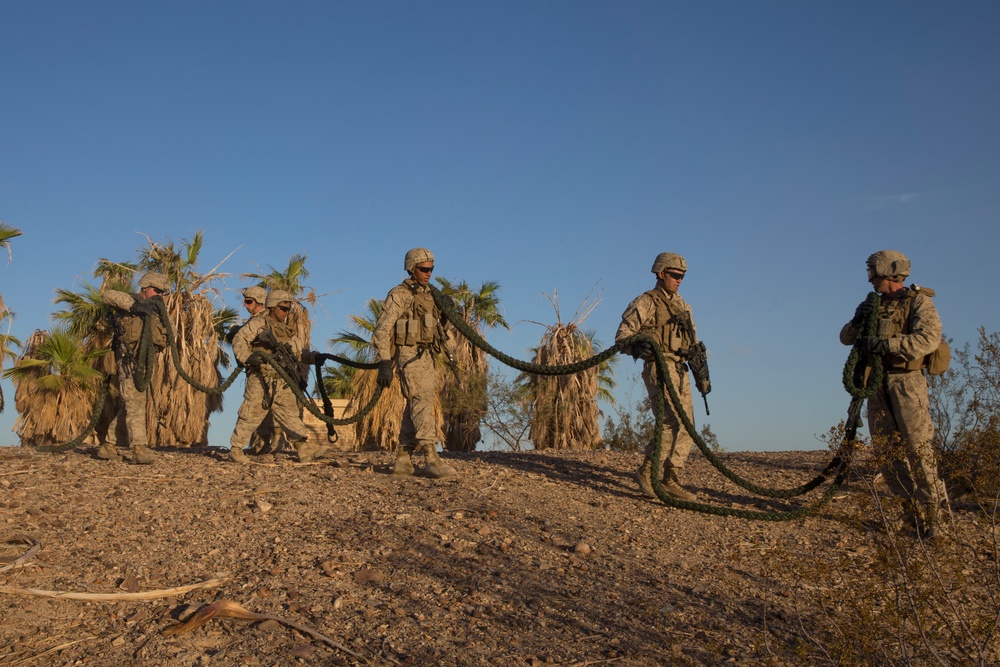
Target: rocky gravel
<point>534,558</point>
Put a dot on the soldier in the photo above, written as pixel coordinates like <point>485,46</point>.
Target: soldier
<point>909,330</point>
<point>267,330</point>
<point>407,334</point>
<point>134,312</point>
<point>662,314</point>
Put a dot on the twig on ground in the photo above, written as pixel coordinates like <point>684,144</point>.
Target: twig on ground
<point>18,540</point>
<point>231,609</point>
<point>144,595</point>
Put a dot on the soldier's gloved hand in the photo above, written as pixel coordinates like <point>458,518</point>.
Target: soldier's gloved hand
<point>642,350</point>
<point>253,362</point>
<point>861,314</point>
<point>384,377</point>
<point>876,345</point>
<point>142,308</point>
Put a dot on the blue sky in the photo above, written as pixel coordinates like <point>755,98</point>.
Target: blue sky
<point>545,145</point>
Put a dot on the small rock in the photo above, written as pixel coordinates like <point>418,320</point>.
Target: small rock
<point>582,548</point>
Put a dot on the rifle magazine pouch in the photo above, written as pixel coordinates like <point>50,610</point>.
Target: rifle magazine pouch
<point>428,328</point>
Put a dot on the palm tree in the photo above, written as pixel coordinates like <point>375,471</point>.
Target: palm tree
<point>8,343</point>
<point>565,413</point>
<point>6,340</point>
<point>55,386</point>
<point>463,387</point>
<point>179,412</point>
<point>6,234</point>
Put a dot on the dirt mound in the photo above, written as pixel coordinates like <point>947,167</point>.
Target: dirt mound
<point>524,559</point>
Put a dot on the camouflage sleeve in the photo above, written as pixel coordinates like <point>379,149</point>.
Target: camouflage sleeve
<point>245,336</point>
<point>119,300</point>
<point>637,313</point>
<point>848,334</point>
<point>397,302</point>
<point>925,331</point>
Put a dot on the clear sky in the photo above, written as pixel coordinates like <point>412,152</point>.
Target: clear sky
<point>545,145</point>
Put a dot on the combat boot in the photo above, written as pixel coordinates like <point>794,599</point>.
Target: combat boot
<point>643,475</point>
<point>237,455</point>
<point>307,451</point>
<point>108,452</point>
<point>404,464</point>
<point>142,456</point>
<point>672,487</point>
<point>436,468</point>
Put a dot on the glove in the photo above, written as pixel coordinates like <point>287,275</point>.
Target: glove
<point>876,345</point>
<point>384,377</point>
<point>861,314</point>
<point>253,362</point>
<point>642,350</point>
<point>142,308</point>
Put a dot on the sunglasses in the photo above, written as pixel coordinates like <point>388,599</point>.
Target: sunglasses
<point>284,309</point>
<point>423,269</point>
<point>249,301</point>
<point>157,290</point>
<point>675,276</point>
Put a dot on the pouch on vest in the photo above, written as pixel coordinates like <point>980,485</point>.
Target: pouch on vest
<point>407,332</point>
<point>937,362</point>
<point>428,329</point>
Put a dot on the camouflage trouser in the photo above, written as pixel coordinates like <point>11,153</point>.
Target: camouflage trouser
<point>676,440</point>
<point>418,380</point>
<point>900,408</point>
<point>132,413</point>
<point>261,395</point>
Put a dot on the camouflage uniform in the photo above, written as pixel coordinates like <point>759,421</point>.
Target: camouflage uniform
<point>405,304</point>
<point>909,323</point>
<point>265,391</point>
<point>133,410</point>
<point>408,332</point>
<point>647,314</point>
<point>655,313</point>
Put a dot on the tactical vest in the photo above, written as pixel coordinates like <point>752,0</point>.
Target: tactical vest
<point>283,331</point>
<point>132,329</point>
<point>894,320</point>
<point>420,325</point>
<point>664,328</point>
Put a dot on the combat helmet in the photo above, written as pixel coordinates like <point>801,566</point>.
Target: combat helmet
<point>258,294</point>
<point>890,264</point>
<point>415,256</point>
<point>669,260</point>
<point>275,297</point>
<point>155,280</point>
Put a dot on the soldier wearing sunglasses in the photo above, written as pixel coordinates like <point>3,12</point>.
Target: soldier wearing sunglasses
<point>662,314</point>
<point>266,392</point>
<point>133,313</point>
<point>407,335</point>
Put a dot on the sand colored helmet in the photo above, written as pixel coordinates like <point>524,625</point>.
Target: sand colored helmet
<point>669,260</point>
<point>156,280</point>
<point>275,297</point>
<point>889,264</point>
<point>258,294</point>
<point>416,256</point>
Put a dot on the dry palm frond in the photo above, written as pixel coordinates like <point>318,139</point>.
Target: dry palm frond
<point>233,609</point>
<point>176,412</point>
<point>565,409</point>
